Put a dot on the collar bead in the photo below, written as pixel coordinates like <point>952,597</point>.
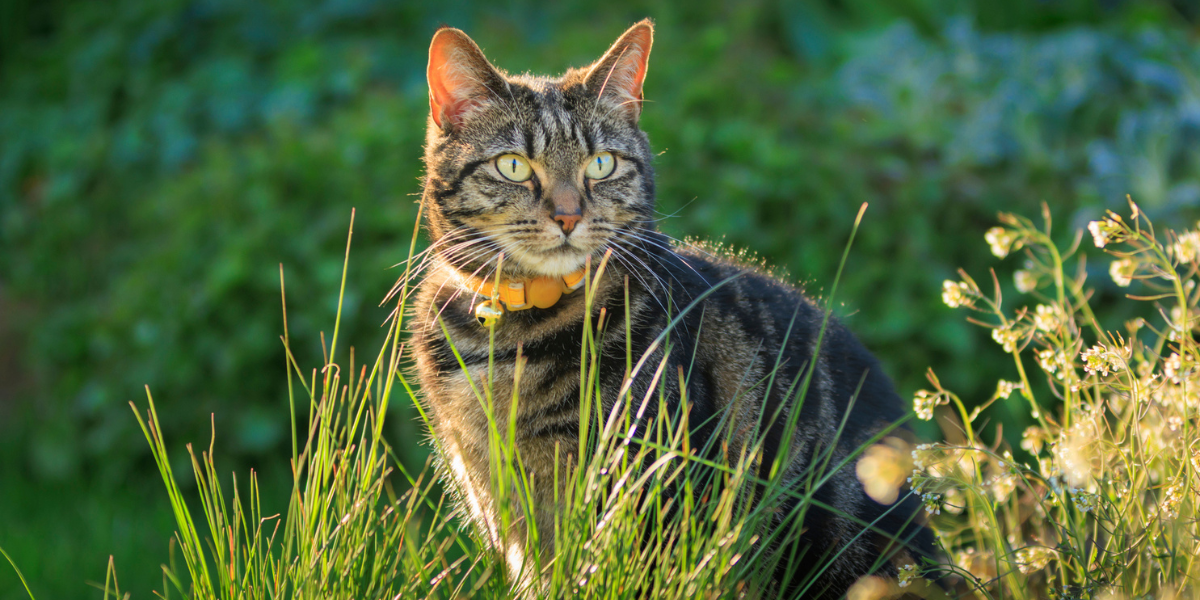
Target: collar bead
<point>522,294</point>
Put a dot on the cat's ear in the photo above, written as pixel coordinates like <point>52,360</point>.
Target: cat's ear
<point>619,74</point>
<point>460,77</point>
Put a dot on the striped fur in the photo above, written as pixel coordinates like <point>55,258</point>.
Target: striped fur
<point>728,343</point>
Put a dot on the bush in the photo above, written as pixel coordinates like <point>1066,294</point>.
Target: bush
<point>177,150</point>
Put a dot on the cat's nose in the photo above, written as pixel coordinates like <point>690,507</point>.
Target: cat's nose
<point>567,221</point>
<point>568,206</point>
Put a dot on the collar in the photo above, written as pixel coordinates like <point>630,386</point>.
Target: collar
<point>521,294</point>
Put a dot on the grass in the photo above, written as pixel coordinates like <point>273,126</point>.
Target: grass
<point>1104,505</point>
<point>631,526</point>
<point>17,570</point>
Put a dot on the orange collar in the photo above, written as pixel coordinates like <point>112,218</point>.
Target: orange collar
<point>521,294</point>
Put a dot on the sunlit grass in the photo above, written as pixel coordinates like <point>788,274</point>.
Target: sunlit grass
<point>1105,508</point>
<point>644,514</point>
<point>345,533</point>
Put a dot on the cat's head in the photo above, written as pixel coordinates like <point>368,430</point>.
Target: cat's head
<point>547,170</point>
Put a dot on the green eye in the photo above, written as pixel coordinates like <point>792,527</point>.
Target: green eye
<point>601,165</point>
<point>514,167</point>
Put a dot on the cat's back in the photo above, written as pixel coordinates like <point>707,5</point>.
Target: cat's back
<point>785,374</point>
<point>752,311</point>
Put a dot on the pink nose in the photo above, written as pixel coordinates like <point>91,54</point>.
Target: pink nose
<point>567,222</point>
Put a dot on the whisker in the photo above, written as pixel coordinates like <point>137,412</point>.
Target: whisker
<point>500,250</point>
<point>663,285</point>
<point>674,214</point>
<point>674,239</point>
<point>426,263</point>
<point>458,292</point>
<point>429,258</point>
<point>448,236</point>
<point>671,253</point>
<point>617,253</point>
<point>474,255</point>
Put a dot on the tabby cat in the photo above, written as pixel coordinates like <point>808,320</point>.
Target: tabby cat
<point>548,172</point>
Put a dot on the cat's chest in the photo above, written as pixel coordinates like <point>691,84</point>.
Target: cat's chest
<point>471,376</point>
<point>527,370</point>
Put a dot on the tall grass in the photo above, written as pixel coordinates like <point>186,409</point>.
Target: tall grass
<point>1104,506</point>
<point>345,533</point>
<point>643,514</point>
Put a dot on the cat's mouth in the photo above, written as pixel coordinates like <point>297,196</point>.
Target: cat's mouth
<point>562,259</point>
<point>554,261</point>
<point>567,246</point>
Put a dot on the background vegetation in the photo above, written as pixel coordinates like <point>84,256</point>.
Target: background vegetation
<point>159,160</point>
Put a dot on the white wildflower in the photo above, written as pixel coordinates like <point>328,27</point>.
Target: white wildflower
<point>921,455</point>
<point>956,293</point>
<point>883,469</point>
<point>1002,486</point>
<point>1001,240</point>
<point>924,401</point>
<point>932,503</point>
<point>1187,247</point>
<point>1122,271</point>
<point>1048,360</point>
<point>1174,422</point>
<point>1033,439</point>
<point>1025,280</point>
<point>1169,507</point>
<point>1047,318</point>
<point>1077,453</point>
<point>1095,359</point>
<point>1007,337</point>
<point>1099,235</point>
<point>1172,366</point>
<point>1004,389</point>
<point>1033,558</point>
<point>1107,231</point>
<point>1084,501</point>
<point>1178,324</point>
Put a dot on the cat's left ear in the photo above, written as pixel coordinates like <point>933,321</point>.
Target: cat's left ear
<point>460,78</point>
<point>619,74</point>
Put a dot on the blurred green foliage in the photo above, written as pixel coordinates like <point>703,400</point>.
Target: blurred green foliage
<point>160,160</point>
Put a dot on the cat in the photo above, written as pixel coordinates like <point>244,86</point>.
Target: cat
<point>554,172</point>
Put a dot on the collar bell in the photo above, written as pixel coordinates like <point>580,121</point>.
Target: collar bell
<point>522,294</point>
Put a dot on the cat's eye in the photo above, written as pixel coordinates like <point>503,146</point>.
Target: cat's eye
<point>601,165</point>
<point>514,167</point>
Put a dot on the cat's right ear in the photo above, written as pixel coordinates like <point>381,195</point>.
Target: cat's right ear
<point>460,77</point>
<point>619,74</point>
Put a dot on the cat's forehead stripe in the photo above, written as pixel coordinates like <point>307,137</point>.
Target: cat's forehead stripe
<point>556,123</point>
<point>539,140</point>
<point>585,140</point>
